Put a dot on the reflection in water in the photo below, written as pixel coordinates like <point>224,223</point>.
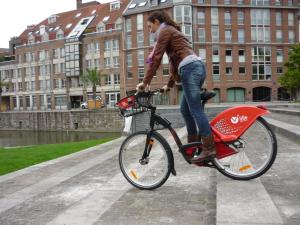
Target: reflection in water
<point>24,138</point>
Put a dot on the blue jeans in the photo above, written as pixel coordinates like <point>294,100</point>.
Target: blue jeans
<point>192,78</point>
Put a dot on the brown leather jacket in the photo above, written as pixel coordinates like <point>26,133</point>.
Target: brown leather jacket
<point>177,47</point>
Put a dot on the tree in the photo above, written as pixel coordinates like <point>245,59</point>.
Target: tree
<point>291,79</point>
<point>93,76</point>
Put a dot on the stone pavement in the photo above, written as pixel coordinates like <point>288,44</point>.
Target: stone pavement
<point>87,188</point>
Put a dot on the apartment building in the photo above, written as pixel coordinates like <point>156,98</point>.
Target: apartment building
<point>51,56</point>
<point>243,42</point>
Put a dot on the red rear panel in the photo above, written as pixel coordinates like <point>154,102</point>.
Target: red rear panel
<point>232,123</point>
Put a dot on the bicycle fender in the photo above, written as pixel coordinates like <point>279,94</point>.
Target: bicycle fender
<point>232,123</point>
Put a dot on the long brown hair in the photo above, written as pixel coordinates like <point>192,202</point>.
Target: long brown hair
<point>163,17</point>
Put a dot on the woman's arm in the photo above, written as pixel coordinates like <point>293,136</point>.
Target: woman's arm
<point>163,40</point>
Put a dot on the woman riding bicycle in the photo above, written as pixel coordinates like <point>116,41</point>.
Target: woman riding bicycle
<point>186,67</point>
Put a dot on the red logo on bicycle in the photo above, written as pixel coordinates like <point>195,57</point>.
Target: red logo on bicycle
<point>238,118</point>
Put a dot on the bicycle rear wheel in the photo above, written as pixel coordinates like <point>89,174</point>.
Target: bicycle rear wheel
<point>256,152</point>
<point>154,170</point>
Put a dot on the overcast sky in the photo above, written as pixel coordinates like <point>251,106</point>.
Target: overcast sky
<point>15,15</point>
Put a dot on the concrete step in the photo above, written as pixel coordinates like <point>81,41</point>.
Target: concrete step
<point>286,111</point>
<point>288,130</point>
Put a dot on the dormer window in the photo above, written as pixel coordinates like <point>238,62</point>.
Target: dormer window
<point>101,27</point>
<point>31,39</point>
<point>56,28</point>
<point>114,5</point>
<point>59,34</point>
<point>142,4</point>
<point>132,6</point>
<point>68,26</point>
<point>77,15</point>
<point>105,19</point>
<point>45,37</point>
<point>52,19</point>
<point>118,24</point>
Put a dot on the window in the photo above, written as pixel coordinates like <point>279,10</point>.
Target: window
<point>107,45</point>
<point>132,6</point>
<point>227,17</point>
<point>279,53</point>
<point>241,35</point>
<point>128,25</point>
<point>278,19</point>
<point>129,41</point>
<point>290,2</point>
<point>165,71</point>
<point>242,70</point>
<point>228,55</point>
<point>129,60</point>
<point>216,72</point>
<point>202,54</point>
<point>107,79</point>
<point>142,4</point>
<point>165,59</point>
<point>114,5</point>
<point>107,62</point>
<point>116,61</point>
<point>291,19</point>
<point>141,73</point>
<point>187,31</point>
<point>279,36</point>
<point>215,33</point>
<point>214,16</point>
<point>140,39</point>
<point>140,22</point>
<point>228,35</point>
<point>68,26</point>
<point>129,75</point>
<point>215,52</point>
<point>277,2</point>
<point>183,14</point>
<point>261,63</point>
<point>240,18</point>
<point>291,36</point>
<point>228,70</point>
<point>115,44</point>
<point>105,19</point>
<point>279,70</point>
<point>116,78</point>
<point>241,55</point>
<point>201,17</point>
<point>141,57</point>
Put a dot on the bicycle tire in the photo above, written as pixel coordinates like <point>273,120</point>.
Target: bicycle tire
<point>137,174</point>
<point>226,165</point>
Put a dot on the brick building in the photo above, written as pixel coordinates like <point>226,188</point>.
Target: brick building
<point>243,43</point>
<point>50,57</point>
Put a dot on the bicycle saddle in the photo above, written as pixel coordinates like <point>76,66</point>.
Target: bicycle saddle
<point>206,95</point>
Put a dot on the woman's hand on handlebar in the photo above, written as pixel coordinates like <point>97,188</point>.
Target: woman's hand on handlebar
<point>165,88</point>
<point>140,87</point>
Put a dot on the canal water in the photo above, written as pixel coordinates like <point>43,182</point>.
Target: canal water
<point>25,138</point>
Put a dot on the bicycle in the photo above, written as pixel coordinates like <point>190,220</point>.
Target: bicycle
<point>246,146</point>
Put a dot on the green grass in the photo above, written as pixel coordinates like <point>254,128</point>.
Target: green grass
<point>12,159</point>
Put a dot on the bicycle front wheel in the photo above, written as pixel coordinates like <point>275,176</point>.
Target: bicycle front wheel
<point>154,170</point>
<point>256,152</point>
